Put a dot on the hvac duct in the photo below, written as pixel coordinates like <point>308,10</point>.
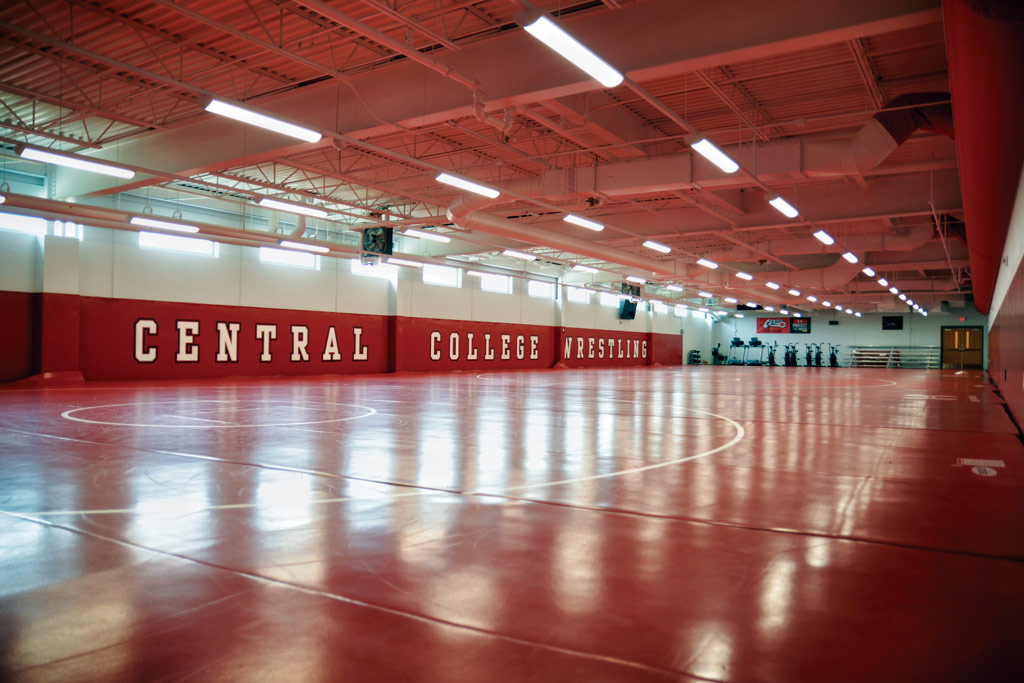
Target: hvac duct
<point>985,50</point>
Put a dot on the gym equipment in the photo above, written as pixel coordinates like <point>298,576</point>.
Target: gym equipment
<point>716,356</point>
<point>817,355</point>
<point>810,356</point>
<point>693,357</point>
<point>771,355</point>
<point>735,344</point>
<point>755,343</point>
<point>789,359</point>
<point>833,355</point>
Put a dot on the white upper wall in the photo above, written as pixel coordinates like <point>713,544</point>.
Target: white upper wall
<point>1013,253</point>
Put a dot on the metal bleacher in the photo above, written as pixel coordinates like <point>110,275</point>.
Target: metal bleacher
<point>929,357</point>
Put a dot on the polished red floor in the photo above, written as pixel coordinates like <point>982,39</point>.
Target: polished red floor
<point>686,523</point>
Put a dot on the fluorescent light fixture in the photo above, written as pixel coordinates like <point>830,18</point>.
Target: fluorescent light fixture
<point>706,295</point>
<point>771,285</point>
<point>304,247</point>
<point>707,263</point>
<point>910,302</point>
<point>75,161</point>
<point>839,308</point>
<point>555,37</point>
<point>638,280</point>
<point>850,256</point>
<point>868,271</point>
<point>824,237</point>
<point>412,232</point>
<point>658,246</point>
<point>583,222</point>
<point>163,225</point>
<point>849,311</point>
<point>707,149</point>
<point>468,185</point>
<point>744,276</point>
<point>784,312</point>
<point>826,304</point>
<point>770,308</point>
<point>924,313</point>
<point>674,288</point>
<point>703,310</point>
<point>751,304</point>
<point>730,300</point>
<point>580,268</point>
<point>903,297</point>
<point>738,315</point>
<point>292,208</point>
<point>519,255</point>
<point>794,292</point>
<point>882,281</point>
<point>403,262</point>
<point>233,111</point>
<point>858,314</point>
<point>894,290</point>
<point>812,298</point>
<point>783,207</point>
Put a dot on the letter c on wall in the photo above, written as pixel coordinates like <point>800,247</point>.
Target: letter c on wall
<point>435,339</point>
<point>143,328</point>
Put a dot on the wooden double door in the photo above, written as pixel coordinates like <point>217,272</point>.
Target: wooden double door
<point>962,347</point>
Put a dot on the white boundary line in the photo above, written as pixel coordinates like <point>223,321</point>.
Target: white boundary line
<point>740,434</point>
<point>68,415</point>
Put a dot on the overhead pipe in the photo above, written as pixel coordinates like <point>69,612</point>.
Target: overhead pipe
<point>915,238</point>
<point>467,211</point>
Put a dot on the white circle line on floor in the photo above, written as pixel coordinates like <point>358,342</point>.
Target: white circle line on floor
<point>737,437</point>
<point>214,424</point>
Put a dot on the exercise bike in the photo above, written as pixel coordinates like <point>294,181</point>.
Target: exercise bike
<point>771,355</point>
<point>833,355</point>
<point>789,359</point>
<point>810,355</point>
<point>716,356</point>
<point>817,355</point>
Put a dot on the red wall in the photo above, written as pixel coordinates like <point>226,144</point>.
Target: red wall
<point>109,346</point>
<point>428,344</point>
<point>604,348</point>
<point>19,335</point>
<point>125,339</point>
<point>668,349</point>
<point>1005,344</point>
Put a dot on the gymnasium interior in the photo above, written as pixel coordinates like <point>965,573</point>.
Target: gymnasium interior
<point>507,340</point>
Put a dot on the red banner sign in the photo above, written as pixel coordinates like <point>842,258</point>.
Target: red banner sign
<point>772,325</point>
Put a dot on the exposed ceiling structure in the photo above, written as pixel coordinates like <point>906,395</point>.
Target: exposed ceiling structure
<point>812,101</point>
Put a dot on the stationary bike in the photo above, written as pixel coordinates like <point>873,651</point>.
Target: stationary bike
<point>833,355</point>
<point>771,354</point>
<point>789,358</point>
<point>810,356</point>
<point>817,355</point>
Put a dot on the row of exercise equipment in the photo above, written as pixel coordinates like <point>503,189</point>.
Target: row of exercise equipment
<point>741,353</point>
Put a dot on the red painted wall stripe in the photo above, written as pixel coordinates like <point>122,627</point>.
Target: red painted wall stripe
<point>19,335</point>
<point>126,339</point>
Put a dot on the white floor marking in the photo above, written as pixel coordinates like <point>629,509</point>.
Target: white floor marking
<point>739,435</point>
<point>70,415</point>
